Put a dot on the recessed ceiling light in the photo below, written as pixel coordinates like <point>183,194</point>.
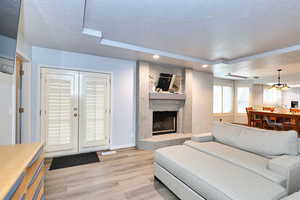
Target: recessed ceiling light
<point>155,57</point>
<point>204,66</point>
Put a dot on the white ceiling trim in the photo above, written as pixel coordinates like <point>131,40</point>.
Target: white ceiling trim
<point>123,45</point>
<point>131,47</point>
<point>92,32</point>
<point>264,54</point>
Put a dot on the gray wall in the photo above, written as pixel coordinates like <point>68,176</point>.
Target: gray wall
<point>7,93</point>
<point>123,88</point>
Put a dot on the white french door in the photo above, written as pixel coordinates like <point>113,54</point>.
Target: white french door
<point>75,111</point>
<point>59,109</point>
<point>94,110</point>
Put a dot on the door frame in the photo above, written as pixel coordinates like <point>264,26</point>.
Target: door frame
<point>25,123</point>
<point>39,113</point>
<point>18,93</point>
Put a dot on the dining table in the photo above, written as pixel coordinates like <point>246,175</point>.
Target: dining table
<point>288,119</point>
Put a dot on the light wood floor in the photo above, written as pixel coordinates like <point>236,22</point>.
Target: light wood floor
<point>126,175</point>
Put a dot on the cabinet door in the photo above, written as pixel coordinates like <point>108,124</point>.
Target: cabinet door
<point>59,110</point>
<point>94,111</point>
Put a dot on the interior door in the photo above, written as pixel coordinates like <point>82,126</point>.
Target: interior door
<point>94,111</point>
<point>59,94</point>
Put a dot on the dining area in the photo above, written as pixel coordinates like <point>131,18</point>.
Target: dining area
<point>270,117</point>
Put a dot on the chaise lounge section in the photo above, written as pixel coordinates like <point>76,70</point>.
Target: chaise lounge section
<point>232,163</point>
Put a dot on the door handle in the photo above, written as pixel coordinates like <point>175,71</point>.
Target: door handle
<point>75,114</point>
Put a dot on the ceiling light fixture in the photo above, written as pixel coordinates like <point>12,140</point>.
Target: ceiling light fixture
<point>237,76</point>
<point>155,56</point>
<point>92,32</point>
<point>204,66</point>
<point>279,85</point>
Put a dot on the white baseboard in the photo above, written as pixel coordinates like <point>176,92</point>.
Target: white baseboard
<point>122,146</point>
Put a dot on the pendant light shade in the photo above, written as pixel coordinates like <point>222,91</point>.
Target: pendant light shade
<point>279,85</point>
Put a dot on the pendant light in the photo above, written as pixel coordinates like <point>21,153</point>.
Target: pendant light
<point>279,85</point>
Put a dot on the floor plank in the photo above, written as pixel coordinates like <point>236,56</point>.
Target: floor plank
<point>127,175</point>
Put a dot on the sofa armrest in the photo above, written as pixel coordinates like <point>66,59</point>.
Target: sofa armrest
<point>295,196</point>
<point>289,167</point>
<point>202,137</point>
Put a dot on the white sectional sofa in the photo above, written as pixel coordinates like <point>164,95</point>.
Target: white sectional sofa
<point>232,163</point>
<point>295,196</point>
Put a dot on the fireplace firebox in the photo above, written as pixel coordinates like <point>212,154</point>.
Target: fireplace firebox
<point>164,122</point>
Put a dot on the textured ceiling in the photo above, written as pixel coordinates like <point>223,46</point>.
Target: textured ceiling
<point>210,30</point>
<point>9,15</point>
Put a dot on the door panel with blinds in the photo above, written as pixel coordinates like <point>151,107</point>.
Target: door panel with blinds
<point>94,110</point>
<point>59,104</point>
<point>75,111</point>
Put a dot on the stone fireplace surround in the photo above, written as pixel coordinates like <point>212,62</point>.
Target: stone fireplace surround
<point>148,101</point>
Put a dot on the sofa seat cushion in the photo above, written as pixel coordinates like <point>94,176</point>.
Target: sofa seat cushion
<point>250,161</point>
<point>214,178</point>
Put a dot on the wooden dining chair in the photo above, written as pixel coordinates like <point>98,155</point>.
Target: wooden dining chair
<point>295,110</point>
<point>271,109</point>
<point>292,124</point>
<point>249,115</point>
<point>270,124</point>
<point>252,119</point>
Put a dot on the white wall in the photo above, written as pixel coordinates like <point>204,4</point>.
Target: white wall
<point>123,88</point>
<point>6,109</point>
<point>292,94</point>
<point>23,47</point>
<point>257,95</point>
<point>202,103</point>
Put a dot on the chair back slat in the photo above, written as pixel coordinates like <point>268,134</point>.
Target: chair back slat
<point>295,110</point>
<point>271,109</point>
<point>249,114</point>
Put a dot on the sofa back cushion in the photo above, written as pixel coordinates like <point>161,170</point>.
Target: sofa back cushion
<point>259,141</point>
<point>299,146</point>
<point>226,133</point>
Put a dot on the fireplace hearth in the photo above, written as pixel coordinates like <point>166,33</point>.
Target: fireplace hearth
<point>164,122</point>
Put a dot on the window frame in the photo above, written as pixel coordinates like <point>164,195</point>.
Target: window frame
<point>222,113</point>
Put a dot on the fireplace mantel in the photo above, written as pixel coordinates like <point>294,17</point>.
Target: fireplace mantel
<point>166,96</point>
<point>165,105</point>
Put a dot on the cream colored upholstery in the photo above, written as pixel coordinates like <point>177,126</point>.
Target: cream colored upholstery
<point>250,161</point>
<point>267,143</point>
<point>295,196</point>
<point>233,163</point>
<point>288,166</point>
<point>203,137</point>
<point>214,178</point>
<point>299,146</point>
<point>178,187</point>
